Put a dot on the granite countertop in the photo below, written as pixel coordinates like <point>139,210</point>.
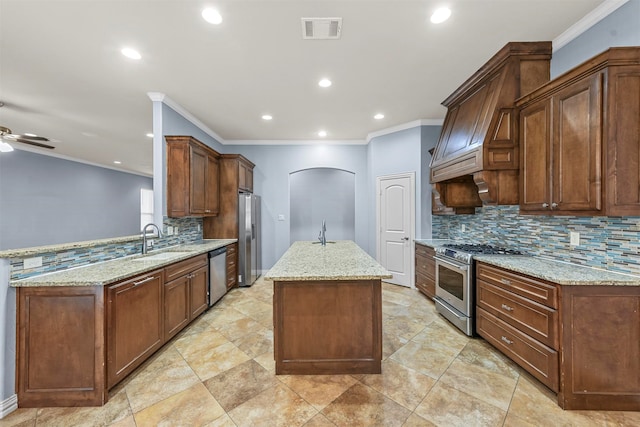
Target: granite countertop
<point>310,261</point>
<point>107,272</point>
<point>560,272</point>
<point>433,243</point>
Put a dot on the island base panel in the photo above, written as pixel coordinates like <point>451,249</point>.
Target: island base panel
<point>328,327</point>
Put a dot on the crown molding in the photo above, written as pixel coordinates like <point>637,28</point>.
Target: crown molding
<point>588,21</point>
<point>161,97</point>
<point>296,142</point>
<point>48,153</point>
<point>404,126</point>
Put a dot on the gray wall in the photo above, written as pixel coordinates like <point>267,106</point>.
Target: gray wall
<point>429,139</point>
<point>620,28</point>
<point>322,194</point>
<point>399,152</point>
<point>46,200</point>
<point>274,163</point>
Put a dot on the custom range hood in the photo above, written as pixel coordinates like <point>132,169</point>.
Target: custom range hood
<point>476,159</point>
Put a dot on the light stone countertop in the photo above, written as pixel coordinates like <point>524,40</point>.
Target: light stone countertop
<point>310,261</point>
<point>560,272</point>
<point>25,252</point>
<point>433,243</point>
<point>108,272</point>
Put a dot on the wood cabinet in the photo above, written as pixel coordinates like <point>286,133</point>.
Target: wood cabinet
<point>580,139</point>
<point>477,153</point>
<point>232,262</point>
<point>135,326</point>
<point>74,343</point>
<point>61,346</point>
<point>192,178</point>
<point>425,270</point>
<point>580,341</point>
<point>236,174</point>
<point>185,293</point>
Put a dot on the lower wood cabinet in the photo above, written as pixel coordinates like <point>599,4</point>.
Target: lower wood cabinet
<point>185,293</point>
<point>425,270</point>
<point>74,343</point>
<point>580,341</point>
<point>135,325</point>
<point>232,263</point>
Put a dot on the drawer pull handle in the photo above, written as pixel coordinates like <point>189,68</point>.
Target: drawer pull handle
<point>506,281</point>
<point>145,280</point>
<point>506,307</point>
<point>506,340</point>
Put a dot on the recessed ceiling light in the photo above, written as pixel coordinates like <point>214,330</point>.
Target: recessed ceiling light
<point>267,117</point>
<point>324,83</point>
<point>212,16</point>
<point>379,116</point>
<point>131,53</point>
<point>440,15</point>
<point>322,133</point>
<point>149,135</point>
<point>117,162</point>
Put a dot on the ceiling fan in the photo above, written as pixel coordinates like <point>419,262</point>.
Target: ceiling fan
<point>6,137</point>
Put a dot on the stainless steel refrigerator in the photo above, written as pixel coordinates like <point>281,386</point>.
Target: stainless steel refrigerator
<point>249,255</point>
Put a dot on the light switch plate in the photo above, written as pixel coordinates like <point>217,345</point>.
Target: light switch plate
<point>574,238</point>
<point>169,230</point>
<point>34,262</point>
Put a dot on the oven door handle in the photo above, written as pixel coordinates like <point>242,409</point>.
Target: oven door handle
<point>450,264</point>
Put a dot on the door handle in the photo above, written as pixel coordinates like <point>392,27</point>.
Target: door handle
<point>405,238</point>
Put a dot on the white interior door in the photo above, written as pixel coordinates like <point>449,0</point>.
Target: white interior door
<point>396,223</point>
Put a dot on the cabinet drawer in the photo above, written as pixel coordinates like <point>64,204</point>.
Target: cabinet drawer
<point>426,266</point>
<point>183,267</point>
<point>535,357</point>
<point>537,290</point>
<point>424,251</point>
<point>426,285</point>
<point>537,320</point>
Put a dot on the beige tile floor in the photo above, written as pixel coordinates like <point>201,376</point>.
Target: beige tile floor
<point>220,372</point>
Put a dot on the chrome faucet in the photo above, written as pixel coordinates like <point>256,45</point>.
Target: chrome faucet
<point>144,236</point>
<point>321,236</point>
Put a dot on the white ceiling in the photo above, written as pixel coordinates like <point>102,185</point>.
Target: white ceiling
<point>62,74</point>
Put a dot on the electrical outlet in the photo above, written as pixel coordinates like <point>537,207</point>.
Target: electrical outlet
<point>175,231</point>
<point>574,238</point>
<point>34,262</point>
<point>463,228</point>
<point>170,231</point>
<point>199,227</point>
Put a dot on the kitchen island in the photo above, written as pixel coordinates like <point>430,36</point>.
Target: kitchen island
<point>327,310</point>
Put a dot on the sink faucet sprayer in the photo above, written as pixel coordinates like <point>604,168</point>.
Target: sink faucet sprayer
<point>144,236</point>
<point>321,237</point>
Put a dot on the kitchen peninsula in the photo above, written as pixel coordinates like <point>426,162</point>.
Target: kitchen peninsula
<point>327,309</point>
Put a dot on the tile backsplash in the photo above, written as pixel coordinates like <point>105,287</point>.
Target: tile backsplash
<point>611,243</point>
<point>189,229</point>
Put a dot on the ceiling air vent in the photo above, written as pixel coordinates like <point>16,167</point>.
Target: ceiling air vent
<point>321,28</point>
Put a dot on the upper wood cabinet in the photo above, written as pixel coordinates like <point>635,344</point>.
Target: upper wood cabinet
<point>192,178</point>
<point>236,174</point>
<point>580,139</point>
<point>478,145</point>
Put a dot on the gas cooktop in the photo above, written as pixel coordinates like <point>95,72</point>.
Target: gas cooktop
<point>465,251</point>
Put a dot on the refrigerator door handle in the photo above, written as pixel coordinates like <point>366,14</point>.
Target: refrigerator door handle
<point>253,231</point>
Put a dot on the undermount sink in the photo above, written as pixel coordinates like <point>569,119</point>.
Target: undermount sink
<point>161,256</point>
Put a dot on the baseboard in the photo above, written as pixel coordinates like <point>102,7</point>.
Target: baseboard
<point>8,405</point>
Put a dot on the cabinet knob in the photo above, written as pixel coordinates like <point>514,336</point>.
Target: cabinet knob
<point>554,205</point>
<point>506,281</point>
<point>545,205</point>
<point>506,340</point>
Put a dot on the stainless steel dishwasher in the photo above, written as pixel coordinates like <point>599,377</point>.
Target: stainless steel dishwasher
<point>217,274</point>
